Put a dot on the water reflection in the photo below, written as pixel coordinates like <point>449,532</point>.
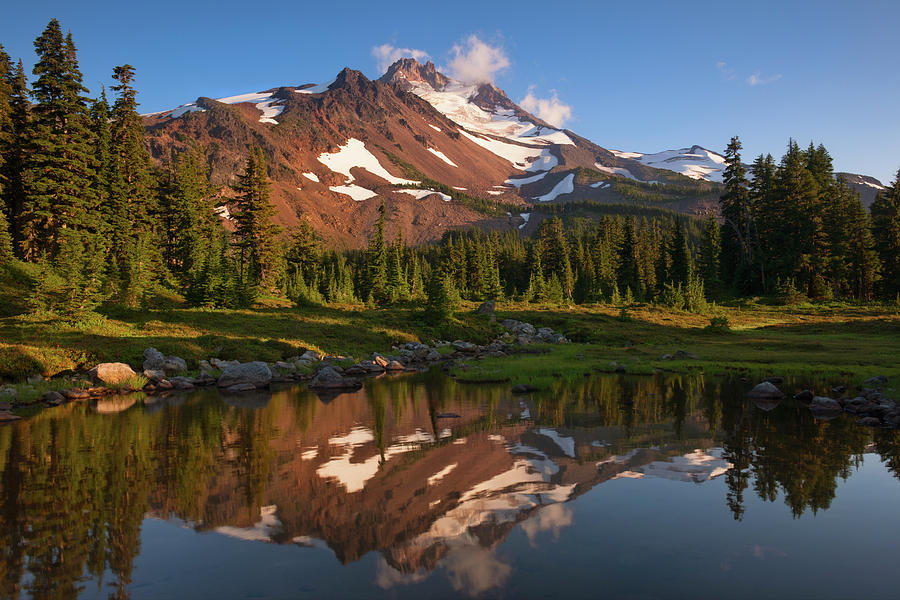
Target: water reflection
<point>431,474</point>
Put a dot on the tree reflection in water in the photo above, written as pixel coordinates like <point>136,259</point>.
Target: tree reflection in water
<point>390,469</point>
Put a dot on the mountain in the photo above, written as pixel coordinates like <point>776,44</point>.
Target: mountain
<point>867,187</point>
<point>443,154</point>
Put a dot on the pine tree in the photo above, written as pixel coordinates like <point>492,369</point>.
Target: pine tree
<point>681,268</point>
<point>629,274</point>
<point>256,235</point>
<point>441,297</point>
<point>60,168</point>
<point>710,252</point>
<point>738,247</point>
<point>5,113</point>
<point>886,232</point>
<point>862,260</point>
<point>13,168</point>
<point>376,262</point>
<point>6,246</point>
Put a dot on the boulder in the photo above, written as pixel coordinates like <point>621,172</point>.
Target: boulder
<point>461,346</point>
<point>518,327</point>
<point>258,373</point>
<point>54,398</point>
<point>825,407</point>
<point>804,396</point>
<point>153,359</point>
<point>9,393</point>
<point>765,391</point>
<point>182,383</point>
<point>685,355</point>
<point>174,364</point>
<point>380,360</point>
<point>395,365</point>
<point>112,373</point>
<point>876,382</point>
<point>311,356</point>
<point>154,374</point>
<point>287,367</point>
<point>74,394</point>
<point>329,379</point>
<point>775,380</point>
<point>869,422</point>
<point>486,308</point>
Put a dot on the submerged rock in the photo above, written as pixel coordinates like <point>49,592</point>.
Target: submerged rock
<point>824,407</point>
<point>804,396</point>
<point>523,388</point>
<point>765,391</point>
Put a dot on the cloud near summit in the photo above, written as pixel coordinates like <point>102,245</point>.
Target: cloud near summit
<point>387,54</point>
<point>474,61</point>
<point>547,109</point>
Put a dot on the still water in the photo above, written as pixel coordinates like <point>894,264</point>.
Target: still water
<point>417,486</point>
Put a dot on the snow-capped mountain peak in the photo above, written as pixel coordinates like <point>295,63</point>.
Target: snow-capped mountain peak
<point>695,162</point>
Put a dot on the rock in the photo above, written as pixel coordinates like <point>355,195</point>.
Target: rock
<point>665,357</point>
<point>776,381</point>
<point>486,308</point>
<point>164,385</point>
<point>153,359</point>
<point>174,364</point>
<point>869,422</point>
<point>73,394</point>
<point>395,365</point>
<point>432,355</point>
<point>368,366</point>
<point>765,391</point>
<point>518,327</point>
<point>52,398</point>
<point>34,378</point>
<point>838,389</point>
<point>6,417</point>
<point>112,373</point>
<point>241,387</point>
<point>876,382</point>
<point>685,355</point>
<point>285,366</point>
<point>892,418</point>
<point>822,406</point>
<point>154,374</point>
<point>804,396</point>
<point>8,393</point>
<point>523,388</point>
<point>380,360</point>
<point>204,365</point>
<point>310,356</point>
<point>258,373</point>
<point>328,378</point>
<point>182,383</point>
<point>462,346</point>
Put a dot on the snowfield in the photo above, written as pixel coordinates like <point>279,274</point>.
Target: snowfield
<point>565,186</point>
<point>694,162</point>
<point>442,156</point>
<point>615,171</point>
<point>354,154</point>
<point>525,180</point>
<point>419,194</point>
<point>524,158</point>
<point>356,192</point>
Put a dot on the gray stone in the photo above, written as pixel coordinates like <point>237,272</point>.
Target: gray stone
<point>112,373</point>
<point>153,359</point>
<point>54,398</point>
<point>462,346</point>
<point>765,391</point>
<point>154,374</point>
<point>822,406</point>
<point>311,356</point>
<point>174,364</point>
<point>8,393</point>
<point>329,378</point>
<point>876,382</point>
<point>486,308</point>
<point>285,366</point>
<point>869,422</point>
<point>182,383</point>
<point>258,373</point>
<point>395,365</point>
<point>804,396</point>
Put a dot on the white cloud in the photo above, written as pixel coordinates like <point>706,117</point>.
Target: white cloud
<point>760,79</point>
<point>474,61</point>
<point>548,109</point>
<point>387,54</point>
<point>729,73</point>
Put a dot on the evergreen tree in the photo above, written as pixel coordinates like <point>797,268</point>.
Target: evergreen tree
<point>629,274</point>
<point>886,232</point>
<point>441,297</point>
<point>710,252</point>
<point>13,151</point>
<point>681,268</point>
<point>60,167</point>
<point>6,246</point>
<point>256,235</point>
<point>738,237</point>
<point>376,262</point>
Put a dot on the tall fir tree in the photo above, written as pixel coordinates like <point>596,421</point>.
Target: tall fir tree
<point>256,235</point>
<point>60,168</point>
<point>710,252</point>
<point>738,248</point>
<point>886,232</point>
<point>14,152</point>
<point>629,274</point>
<point>6,246</point>
<point>377,262</point>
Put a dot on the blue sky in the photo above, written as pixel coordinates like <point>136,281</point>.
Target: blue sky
<point>636,76</point>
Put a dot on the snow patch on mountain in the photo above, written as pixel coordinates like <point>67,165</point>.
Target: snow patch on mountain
<point>419,194</point>
<point>565,186</point>
<point>522,157</point>
<point>311,176</point>
<point>264,101</point>
<point>525,180</point>
<point>442,156</point>
<point>694,162</point>
<point>615,171</point>
<point>354,154</point>
<point>356,192</point>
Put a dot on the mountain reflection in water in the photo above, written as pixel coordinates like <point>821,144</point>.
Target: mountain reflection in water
<point>424,471</point>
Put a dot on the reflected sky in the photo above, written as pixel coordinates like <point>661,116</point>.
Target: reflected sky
<point>613,486</point>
